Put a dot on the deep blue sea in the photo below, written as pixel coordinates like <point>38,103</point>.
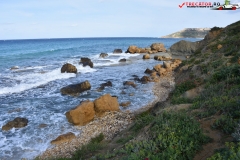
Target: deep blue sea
<point>33,90</point>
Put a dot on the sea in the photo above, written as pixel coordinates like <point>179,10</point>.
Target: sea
<point>33,90</point>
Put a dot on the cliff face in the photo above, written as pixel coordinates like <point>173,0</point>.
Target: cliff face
<point>189,33</point>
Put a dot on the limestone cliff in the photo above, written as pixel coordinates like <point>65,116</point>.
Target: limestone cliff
<point>189,33</point>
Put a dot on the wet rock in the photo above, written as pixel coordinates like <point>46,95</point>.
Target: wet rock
<point>14,68</point>
<point>145,79</point>
<point>63,138</point>
<point>158,47</point>
<point>107,84</point>
<point>86,62</point>
<point>103,55</point>
<point>132,49</point>
<point>146,56</point>
<point>105,103</point>
<point>42,125</point>
<point>157,67</point>
<point>125,104</point>
<point>16,123</point>
<point>130,83</point>
<point>122,60</point>
<point>75,89</point>
<point>117,51</point>
<point>69,68</point>
<point>82,114</point>
<point>148,71</point>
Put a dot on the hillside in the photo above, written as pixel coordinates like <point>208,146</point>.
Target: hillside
<point>201,117</point>
<point>189,33</point>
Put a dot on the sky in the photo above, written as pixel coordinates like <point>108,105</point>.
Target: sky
<point>30,19</point>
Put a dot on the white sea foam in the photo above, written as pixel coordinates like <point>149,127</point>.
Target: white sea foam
<point>32,80</point>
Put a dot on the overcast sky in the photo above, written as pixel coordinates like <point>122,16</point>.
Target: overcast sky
<point>27,19</point>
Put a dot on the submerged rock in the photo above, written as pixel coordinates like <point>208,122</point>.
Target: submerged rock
<point>82,114</point>
<point>130,83</point>
<point>14,68</point>
<point>63,138</point>
<point>103,55</point>
<point>103,85</point>
<point>69,68</point>
<point>117,51</point>
<point>75,89</point>
<point>86,62</point>
<point>16,123</point>
<point>105,103</point>
<point>122,60</point>
<point>125,104</point>
<point>145,79</point>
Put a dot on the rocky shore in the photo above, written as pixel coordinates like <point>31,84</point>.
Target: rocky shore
<point>110,124</point>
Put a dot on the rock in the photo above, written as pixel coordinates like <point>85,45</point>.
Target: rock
<point>123,92</point>
<point>184,68</point>
<point>63,138</point>
<point>131,94</point>
<point>238,60</point>
<point>219,46</point>
<point>16,123</point>
<point>158,47</point>
<point>148,71</point>
<point>146,56</point>
<point>142,50</point>
<point>166,65</point>
<point>107,84</point>
<point>162,71</point>
<point>86,62</point>
<point>187,57</point>
<point>130,83</point>
<point>75,89</point>
<point>105,103</point>
<point>138,50</point>
<point>145,79</point>
<point>157,67</point>
<point>158,107</point>
<point>162,58</point>
<point>14,68</point>
<point>42,125</point>
<point>82,114</point>
<point>122,60</point>
<point>183,48</point>
<point>150,52</point>
<point>132,49</point>
<point>125,104</point>
<point>117,51</point>
<point>69,68</point>
<point>103,55</point>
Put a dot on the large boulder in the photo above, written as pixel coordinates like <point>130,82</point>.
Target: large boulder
<point>158,47</point>
<point>117,51</point>
<point>69,68</point>
<point>16,123</point>
<point>103,55</point>
<point>75,89</point>
<point>63,138</point>
<point>132,49</point>
<point>82,114</point>
<point>105,103</point>
<point>183,48</point>
<point>146,56</point>
<point>86,62</point>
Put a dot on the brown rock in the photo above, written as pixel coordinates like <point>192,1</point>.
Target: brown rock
<point>125,104</point>
<point>117,51</point>
<point>69,68</point>
<point>142,50</point>
<point>105,103</point>
<point>75,89</point>
<point>146,56</point>
<point>86,62</point>
<point>150,52</point>
<point>162,71</point>
<point>138,50</point>
<point>130,83</point>
<point>166,65</point>
<point>82,114</point>
<point>145,79</point>
<point>122,60</point>
<point>103,55</point>
<point>132,49</point>
<point>158,47</point>
<point>42,125</point>
<point>157,67</point>
<point>16,123</point>
<point>63,138</point>
<point>148,71</point>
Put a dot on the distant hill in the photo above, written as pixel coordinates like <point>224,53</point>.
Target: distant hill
<point>189,33</point>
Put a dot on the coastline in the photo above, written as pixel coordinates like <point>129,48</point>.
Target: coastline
<point>112,123</point>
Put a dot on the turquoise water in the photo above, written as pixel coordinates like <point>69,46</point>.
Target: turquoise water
<point>33,90</point>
